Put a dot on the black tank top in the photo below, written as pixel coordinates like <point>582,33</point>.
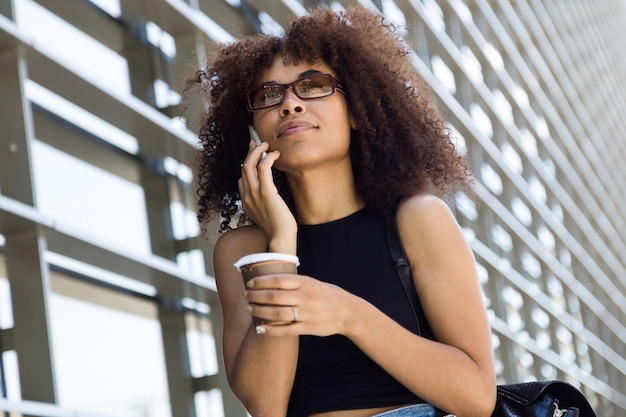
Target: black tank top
<point>333,373</point>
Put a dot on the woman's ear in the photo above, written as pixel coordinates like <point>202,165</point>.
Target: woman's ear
<point>352,121</point>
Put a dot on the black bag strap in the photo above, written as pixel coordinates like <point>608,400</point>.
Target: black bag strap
<point>403,268</point>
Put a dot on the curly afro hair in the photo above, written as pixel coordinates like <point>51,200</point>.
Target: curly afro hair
<point>400,146</point>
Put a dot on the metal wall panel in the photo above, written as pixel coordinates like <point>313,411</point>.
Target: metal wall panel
<point>534,90</point>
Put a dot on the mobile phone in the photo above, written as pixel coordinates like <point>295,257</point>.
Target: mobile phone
<point>255,137</point>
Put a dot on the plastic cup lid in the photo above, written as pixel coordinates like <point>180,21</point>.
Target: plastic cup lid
<point>266,256</point>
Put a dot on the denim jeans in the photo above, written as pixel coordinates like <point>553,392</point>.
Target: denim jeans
<point>417,410</point>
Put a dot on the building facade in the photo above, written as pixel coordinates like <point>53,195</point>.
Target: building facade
<point>107,301</point>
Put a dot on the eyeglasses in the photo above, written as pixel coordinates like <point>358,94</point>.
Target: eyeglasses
<point>308,88</point>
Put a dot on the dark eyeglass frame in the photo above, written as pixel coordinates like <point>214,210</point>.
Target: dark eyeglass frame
<point>335,86</point>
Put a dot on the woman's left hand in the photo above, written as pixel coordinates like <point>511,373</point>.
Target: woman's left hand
<point>311,306</point>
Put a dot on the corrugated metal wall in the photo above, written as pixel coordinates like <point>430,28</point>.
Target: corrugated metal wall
<point>535,92</point>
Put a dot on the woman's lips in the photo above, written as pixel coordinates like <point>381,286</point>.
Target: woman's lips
<point>294,126</point>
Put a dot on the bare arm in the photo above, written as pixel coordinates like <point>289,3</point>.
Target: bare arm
<point>459,366</point>
<point>260,370</point>
<point>455,373</point>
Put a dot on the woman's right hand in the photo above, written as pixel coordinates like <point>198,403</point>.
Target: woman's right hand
<point>262,202</point>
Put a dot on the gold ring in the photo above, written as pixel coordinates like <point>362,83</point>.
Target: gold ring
<point>295,314</point>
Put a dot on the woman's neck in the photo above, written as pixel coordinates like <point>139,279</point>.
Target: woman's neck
<point>323,197</point>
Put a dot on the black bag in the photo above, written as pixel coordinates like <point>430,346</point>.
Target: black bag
<point>541,398</point>
<point>551,398</point>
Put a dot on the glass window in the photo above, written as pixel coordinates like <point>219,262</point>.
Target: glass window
<point>93,328</point>
<point>95,62</point>
<point>90,199</point>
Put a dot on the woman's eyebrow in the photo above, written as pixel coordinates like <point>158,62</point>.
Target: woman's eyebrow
<point>300,76</point>
<point>308,72</point>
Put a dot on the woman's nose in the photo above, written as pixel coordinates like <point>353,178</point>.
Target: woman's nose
<point>291,103</point>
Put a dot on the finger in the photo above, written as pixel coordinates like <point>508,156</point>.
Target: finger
<point>268,160</point>
<point>272,297</point>
<point>265,176</point>
<point>278,281</point>
<point>249,168</point>
<point>250,147</point>
<point>255,154</point>
<point>247,199</point>
<point>291,329</point>
<point>242,185</point>
<point>273,315</point>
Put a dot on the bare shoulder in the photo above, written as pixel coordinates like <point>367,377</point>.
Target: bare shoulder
<point>424,211</point>
<point>428,229</point>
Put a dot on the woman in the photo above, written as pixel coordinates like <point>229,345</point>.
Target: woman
<point>350,138</point>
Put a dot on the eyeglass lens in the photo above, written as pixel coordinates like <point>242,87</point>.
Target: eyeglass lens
<point>269,95</point>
